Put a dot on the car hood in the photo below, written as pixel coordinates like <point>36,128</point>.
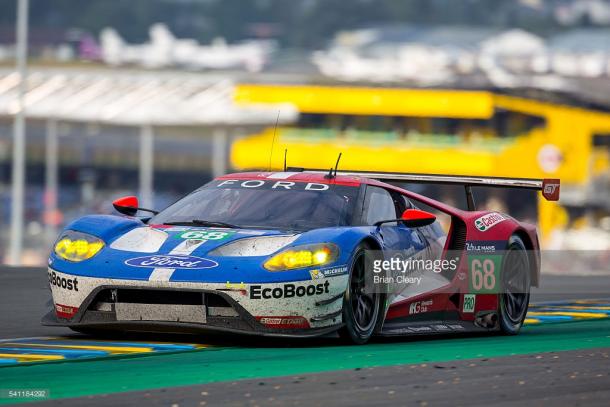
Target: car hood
<point>197,240</point>
<point>135,251</point>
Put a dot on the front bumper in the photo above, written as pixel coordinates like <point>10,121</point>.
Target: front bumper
<point>149,306</point>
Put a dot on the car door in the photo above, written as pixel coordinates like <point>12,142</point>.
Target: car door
<point>381,204</point>
<point>409,299</point>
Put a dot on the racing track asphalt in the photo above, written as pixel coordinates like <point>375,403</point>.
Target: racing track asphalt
<point>558,364</point>
<point>568,378</point>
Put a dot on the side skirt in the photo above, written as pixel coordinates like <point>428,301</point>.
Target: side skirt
<point>432,327</point>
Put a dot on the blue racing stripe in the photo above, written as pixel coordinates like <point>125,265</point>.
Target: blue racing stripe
<point>550,318</point>
<point>570,303</point>
<point>68,353</point>
<point>587,310</point>
<point>153,346</point>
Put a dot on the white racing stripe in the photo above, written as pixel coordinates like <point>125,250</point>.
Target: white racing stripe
<point>185,248</point>
<point>282,175</point>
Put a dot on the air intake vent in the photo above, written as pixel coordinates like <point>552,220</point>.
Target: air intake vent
<point>458,235</point>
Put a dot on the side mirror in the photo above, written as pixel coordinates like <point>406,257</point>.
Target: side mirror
<point>416,218</point>
<point>128,205</point>
<point>412,218</point>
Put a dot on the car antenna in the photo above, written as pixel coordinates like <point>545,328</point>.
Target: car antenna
<point>330,174</point>
<point>285,154</point>
<point>337,163</point>
<point>273,139</point>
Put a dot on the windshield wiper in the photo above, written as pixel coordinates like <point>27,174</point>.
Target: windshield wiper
<point>201,222</point>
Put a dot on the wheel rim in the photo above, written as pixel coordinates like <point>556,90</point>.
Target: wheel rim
<point>364,305</point>
<point>516,286</point>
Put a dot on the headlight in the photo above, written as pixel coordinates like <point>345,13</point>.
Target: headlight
<point>77,246</point>
<point>309,255</point>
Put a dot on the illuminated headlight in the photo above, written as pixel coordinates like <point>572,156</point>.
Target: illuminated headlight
<point>77,246</point>
<point>309,255</point>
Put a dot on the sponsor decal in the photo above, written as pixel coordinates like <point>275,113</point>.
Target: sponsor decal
<point>469,303</point>
<point>172,261</point>
<point>461,276</point>
<point>284,322</point>
<point>70,284</point>
<point>474,247</point>
<point>205,235</point>
<point>485,246</point>
<point>315,274</point>
<point>486,222</point>
<point>550,189</point>
<point>419,307</point>
<point>257,292</point>
<point>65,311</point>
<point>484,273</point>
<point>327,272</point>
<point>334,271</point>
<point>255,183</point>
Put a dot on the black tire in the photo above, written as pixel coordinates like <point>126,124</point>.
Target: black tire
<point>515,286</point>
<point>360,310</point>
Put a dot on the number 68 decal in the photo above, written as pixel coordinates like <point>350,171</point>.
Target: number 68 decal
<point>205,234</point>
<point>484,271</point>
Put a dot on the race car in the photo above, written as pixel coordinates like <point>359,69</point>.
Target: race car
<point>300,253</point>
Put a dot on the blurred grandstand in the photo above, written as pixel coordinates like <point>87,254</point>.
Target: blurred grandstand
<point>94,135</point>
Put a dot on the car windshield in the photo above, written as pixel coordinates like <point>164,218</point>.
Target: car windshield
<point>265,204</point>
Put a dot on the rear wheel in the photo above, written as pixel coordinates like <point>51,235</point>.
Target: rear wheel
<point>360,309</point>
<point>515,295</point>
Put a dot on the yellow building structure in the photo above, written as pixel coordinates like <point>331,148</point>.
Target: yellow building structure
<point>432,131</point>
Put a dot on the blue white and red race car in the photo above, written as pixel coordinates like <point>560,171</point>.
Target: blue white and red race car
<point>300,253</point>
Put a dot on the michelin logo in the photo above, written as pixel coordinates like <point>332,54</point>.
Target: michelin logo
<point>327,272</point>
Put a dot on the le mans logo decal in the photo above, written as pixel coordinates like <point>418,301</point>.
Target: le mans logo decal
<point>172,261</point>
<point>486,222</point>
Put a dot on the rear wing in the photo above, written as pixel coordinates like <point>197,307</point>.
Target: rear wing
<point>548,187</point>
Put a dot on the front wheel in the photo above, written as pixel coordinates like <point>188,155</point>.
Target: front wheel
<point>515,295</point>
<point>360,309</point>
